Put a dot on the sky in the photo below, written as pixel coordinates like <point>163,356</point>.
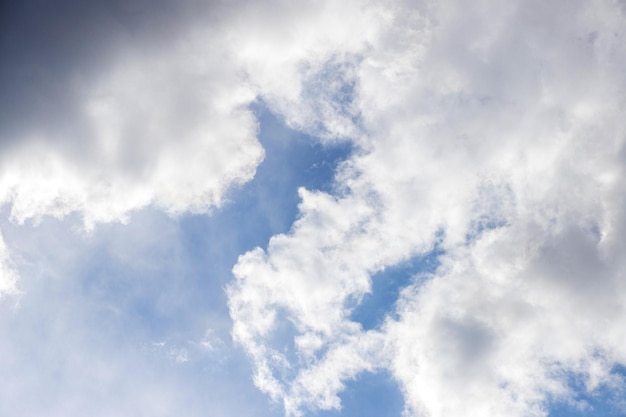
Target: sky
<point>279,208</point>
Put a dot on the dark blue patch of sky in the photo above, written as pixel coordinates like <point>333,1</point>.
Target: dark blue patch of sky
<point>386,286</point>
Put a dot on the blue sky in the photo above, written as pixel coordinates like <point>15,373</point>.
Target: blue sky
<point>312,208</point>
<point>121,291</point>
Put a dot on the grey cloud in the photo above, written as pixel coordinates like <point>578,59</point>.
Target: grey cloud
<point>109,97</point>
<point>109,107</point>
<point>52,53</point>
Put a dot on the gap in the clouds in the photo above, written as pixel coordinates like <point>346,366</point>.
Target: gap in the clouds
<point>150,289</point>
<point>481,226</point>
<point>334,85</point>
<point>156,275</point>
<point>259,209</point>
<point>386,286</point>
<point>369,395</point>
<point>603,401</point>
<point>161,279</point>
<point>268,204</point>
<point>168,275</point>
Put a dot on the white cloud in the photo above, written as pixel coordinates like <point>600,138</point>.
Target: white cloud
<point>496,132</point>
<point>491,130</point>
<point>8,276</point>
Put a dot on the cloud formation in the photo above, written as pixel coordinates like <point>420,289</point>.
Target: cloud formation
<point>493,132</point>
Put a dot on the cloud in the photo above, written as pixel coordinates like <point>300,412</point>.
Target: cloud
<point>8,276</point>
<point>118,115</point>
<point>301,58</point>
<point>133,123</point>
<point>149,105</point>
<point>494,133</point>
<point>491,133</point>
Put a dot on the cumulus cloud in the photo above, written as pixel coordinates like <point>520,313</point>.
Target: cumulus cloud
<point>490,131</point>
